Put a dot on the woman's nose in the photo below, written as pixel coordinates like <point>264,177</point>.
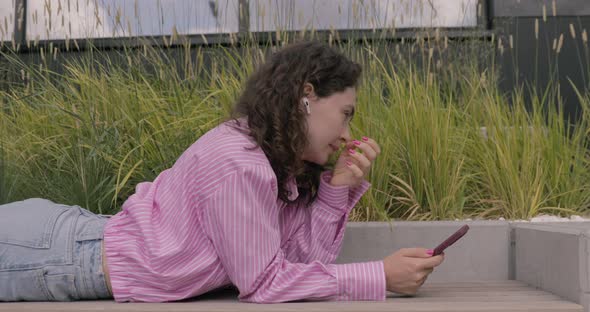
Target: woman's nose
<point>345,136</point>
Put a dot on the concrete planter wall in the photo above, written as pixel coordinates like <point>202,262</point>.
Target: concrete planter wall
<point>553,257</point>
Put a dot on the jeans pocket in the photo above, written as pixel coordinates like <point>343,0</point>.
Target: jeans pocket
<point>36,233</point>
<point>29,223</point>
<point>23,285</point>
<point>61,287</point>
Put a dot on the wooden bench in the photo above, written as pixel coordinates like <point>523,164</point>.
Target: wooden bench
<point>504,296</point>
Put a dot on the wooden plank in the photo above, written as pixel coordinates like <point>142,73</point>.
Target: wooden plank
<point>298,307</point>
<point>476,289</point>
<point>531,297</point>
<point>478,284</point>
<point>472,296</point>
<point>471,293</point>
<point>483,299</point>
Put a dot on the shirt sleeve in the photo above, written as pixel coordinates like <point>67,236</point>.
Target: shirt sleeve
<point>241,220</point>
<point>320,235</point>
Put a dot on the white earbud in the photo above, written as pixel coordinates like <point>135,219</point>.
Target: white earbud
<point>306,104</point>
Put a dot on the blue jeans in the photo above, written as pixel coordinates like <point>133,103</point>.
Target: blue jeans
<point>50,252</point>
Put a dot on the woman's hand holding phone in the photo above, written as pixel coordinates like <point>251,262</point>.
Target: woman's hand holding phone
<point>407,269</point>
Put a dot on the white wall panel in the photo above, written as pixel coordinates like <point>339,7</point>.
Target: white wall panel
<point>61,19</point>
<point>6,20</point>
<point>269,15</point>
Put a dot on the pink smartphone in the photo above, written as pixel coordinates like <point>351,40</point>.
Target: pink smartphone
<point>451,240</point>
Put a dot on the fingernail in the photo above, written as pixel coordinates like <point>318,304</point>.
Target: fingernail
<point>356,142</point>
<point>365,139</point>
<point>348,163</point>
<point>350,150</point>
<point>430,251</point>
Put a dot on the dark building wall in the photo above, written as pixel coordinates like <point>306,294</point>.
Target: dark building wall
<point>548,46</point>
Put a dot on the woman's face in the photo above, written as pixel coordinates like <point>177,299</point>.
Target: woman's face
<point>328,124</point>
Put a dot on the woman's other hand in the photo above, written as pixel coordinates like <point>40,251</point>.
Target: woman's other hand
<point>354,162</point>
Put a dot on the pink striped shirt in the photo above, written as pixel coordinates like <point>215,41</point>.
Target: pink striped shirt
<point>214,219</point>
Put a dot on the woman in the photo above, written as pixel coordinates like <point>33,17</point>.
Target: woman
<point>249,204</point>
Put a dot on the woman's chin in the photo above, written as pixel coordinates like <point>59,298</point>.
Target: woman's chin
<point>320,162</point>
<point>321,158</point>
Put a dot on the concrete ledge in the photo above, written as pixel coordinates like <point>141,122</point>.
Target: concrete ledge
<point>553,257</point>
<point>484,253</point>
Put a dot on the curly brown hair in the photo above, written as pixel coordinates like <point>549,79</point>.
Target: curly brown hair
<point>276,121</point>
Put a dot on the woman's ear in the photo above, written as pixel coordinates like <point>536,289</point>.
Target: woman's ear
<point>309,91</point>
